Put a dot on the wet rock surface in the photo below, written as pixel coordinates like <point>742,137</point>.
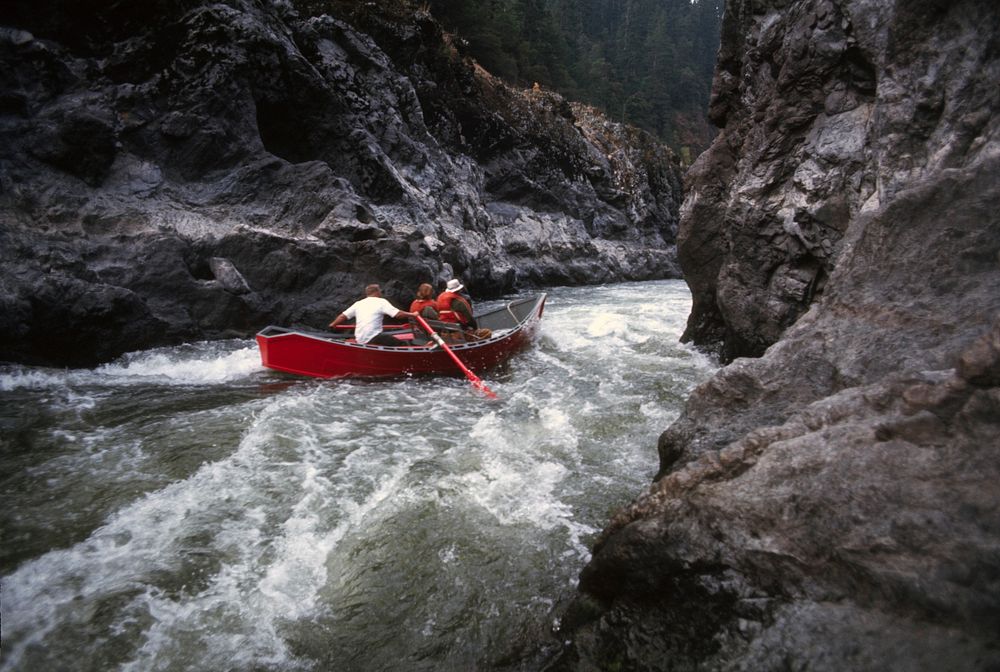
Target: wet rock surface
<point>184,170</point>
<point>831,504</point>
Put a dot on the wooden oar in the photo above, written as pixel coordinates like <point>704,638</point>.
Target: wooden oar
<point>473,378</point>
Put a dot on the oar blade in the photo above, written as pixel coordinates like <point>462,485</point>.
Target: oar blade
<point>473,378</point>
<point>481,386</point>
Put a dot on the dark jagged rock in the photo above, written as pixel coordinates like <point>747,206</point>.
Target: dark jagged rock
<point>831,505</point>
<point>196,169</point>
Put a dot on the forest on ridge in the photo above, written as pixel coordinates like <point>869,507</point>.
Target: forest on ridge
<point>644,62</point>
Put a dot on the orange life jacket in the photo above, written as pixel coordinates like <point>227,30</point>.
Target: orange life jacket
<point>446,314</point>
<point>420,304</point>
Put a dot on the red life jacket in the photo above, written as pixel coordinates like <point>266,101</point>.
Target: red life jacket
<point>446,314</point>
<point>420,304</point>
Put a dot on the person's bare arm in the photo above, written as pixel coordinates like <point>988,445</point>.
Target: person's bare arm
<point>338,320</point>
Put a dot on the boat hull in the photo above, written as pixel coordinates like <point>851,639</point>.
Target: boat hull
<point>314,355</point>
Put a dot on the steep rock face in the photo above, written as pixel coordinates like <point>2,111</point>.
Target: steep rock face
<point>831,505</point>
<point>828,110</point>
<point>182,170</point>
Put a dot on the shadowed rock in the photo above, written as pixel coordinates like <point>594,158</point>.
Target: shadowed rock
<point>314,148</point>
<point>832,504</point>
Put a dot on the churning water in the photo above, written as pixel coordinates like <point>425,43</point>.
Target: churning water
<point>186,509</point>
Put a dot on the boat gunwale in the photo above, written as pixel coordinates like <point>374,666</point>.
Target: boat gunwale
<point>532,314</point>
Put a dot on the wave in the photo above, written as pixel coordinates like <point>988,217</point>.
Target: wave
<point>206,363</point>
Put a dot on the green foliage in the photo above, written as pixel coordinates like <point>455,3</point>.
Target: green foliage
<point>645,62</point>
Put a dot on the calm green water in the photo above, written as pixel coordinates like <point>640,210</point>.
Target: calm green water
<point>186,509</point>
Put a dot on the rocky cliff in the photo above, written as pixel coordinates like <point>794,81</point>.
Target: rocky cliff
<point>831,504</point>
<point>184,170</point>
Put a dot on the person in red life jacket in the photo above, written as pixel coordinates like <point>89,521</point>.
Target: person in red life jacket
<point>425,304</point>
<point>454,307</point>
<point>367,314</point>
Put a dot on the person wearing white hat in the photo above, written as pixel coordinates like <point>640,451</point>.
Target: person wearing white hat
<point>454,307</point>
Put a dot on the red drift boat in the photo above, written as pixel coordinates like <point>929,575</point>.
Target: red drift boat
<point>326,355</point>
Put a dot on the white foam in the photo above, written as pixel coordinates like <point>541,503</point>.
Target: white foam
<point>604,325</point>
<point>556,420</point>
<point>160,366</point>
<point>530,497</point>
<point>293,581</point>
<point>335,460</point>
<point>447,555</point>
<point>146,538</point>
<point>516,482</point>
<point>195,364</point>
<point>16,379</point>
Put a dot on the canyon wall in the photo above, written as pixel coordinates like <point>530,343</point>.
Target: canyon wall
<point>175,171</point>
<point>828,500</point>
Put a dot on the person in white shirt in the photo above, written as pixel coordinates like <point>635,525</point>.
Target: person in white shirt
<point>367,315</point>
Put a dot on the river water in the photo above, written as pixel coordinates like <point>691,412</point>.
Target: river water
<point>186,509</point>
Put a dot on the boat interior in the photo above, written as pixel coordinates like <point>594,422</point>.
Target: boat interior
<point>499,321</point>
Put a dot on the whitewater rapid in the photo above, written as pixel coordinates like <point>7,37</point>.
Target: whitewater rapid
<point>186,509</point>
